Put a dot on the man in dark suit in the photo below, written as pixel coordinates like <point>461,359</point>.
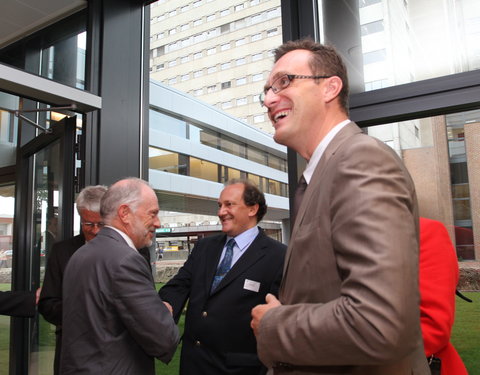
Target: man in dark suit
<point>113,320</point>
<point>50,304</point>
<point>349,300</point>
<point>217,338</point>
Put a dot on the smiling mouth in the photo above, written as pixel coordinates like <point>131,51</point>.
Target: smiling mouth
<point>280,115</point>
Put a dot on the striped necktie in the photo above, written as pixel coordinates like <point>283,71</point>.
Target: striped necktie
<point>225,265</point>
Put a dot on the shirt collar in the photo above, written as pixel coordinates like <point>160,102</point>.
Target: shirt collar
<point>320,149</point>
<point>127,239</point>
<point>244,239</point>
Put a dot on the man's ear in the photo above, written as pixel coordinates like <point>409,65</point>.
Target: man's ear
<point>333,87</point>
<point>123,213</point>
<point>253,210</point>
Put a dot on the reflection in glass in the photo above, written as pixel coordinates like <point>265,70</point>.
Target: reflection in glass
<point>8,129</point>
<point>7,209</point>
<point>440,154</point>
<point>422,41</point>
<point>46,229</point>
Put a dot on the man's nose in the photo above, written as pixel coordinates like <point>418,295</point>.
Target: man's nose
<point>270,98</point>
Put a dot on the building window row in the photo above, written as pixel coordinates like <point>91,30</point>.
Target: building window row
<point>220,30</point>
<point>196,133</point>
<point>186,165</point>
<point>192,6</point>
<point>223,86</point>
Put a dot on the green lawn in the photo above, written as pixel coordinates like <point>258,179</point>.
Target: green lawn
<point>466,332</point>
<point>465,337</point>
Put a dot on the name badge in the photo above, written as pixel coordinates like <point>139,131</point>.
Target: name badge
<point>254,286</point>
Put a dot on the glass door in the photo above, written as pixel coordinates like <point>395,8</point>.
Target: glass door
<point>44,212</point>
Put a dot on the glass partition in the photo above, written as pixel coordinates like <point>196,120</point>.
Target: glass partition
<point>441,154</point>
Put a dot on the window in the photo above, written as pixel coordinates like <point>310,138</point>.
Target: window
<point>239,7</point>
<point>211,88</point>
<point>374,56</point>
<point>172,81</point>
<point>365,3</point>
<point>198,73</point>
<point>203,169</point>
<point>227,104</point>
<point>211,51</point>
<point>166,161</point>
<point>225,46</point>
<point>185,27</point>
<point>172,63</point>
<point>185,77</point>
<point>372,27</point>
<point>226,85</point>
<point>257,77</point>
<point>210,17</point>
<point>240,61</point>
<point>257,56</point>
<point>241,81</point>
<point>272,32</point>
<point>226,65</point>
<point>198,92</point>
<point>258,118</point>
<point>184,59</point>
<point>242,101</point>
<point>256,37</point>
<point>197,22</point>
<point>197,55</point>
<point>241,42</point>
<point>224,12</point>
<point>212,69</point>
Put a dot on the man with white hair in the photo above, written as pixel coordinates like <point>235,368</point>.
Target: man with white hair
<point>113,319</point>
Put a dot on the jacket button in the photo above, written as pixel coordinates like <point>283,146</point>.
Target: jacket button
<point>204,314</point>
<point>197,343</point>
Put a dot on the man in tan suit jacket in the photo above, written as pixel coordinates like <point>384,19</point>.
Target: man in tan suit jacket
<point>349,299</point>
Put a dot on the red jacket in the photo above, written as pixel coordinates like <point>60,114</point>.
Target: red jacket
<point>438,281</point>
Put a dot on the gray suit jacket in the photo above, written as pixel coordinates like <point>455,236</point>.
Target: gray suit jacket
<point>113,319</point>
<point>350,286</point>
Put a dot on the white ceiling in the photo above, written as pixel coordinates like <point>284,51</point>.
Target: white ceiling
<point>19,18</point>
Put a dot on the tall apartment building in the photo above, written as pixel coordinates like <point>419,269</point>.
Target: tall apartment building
<point>217,51</point>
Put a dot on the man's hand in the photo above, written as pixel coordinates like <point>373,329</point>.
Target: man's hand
<point>260,310</point>
<point>37,295</point>
<point>169,307</point>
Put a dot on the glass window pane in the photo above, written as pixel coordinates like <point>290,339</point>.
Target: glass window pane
<point>236,38</point>
<point>167,161</point>
<point>421,41</point>
<point>203,169</point>
<point>441,154</point>
<point>57,52</point>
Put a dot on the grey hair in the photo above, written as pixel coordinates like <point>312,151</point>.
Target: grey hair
<point>89,198</point>
<point>126,191</point>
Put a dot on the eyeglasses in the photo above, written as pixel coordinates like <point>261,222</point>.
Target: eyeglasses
<point>283,82</point>
<point>91,225</point>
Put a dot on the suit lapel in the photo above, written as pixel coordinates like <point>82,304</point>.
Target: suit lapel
<point>314,187</point>
<point>255,251</point>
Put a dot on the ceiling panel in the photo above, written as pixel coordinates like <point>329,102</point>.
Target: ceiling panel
<point>19,18</point>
